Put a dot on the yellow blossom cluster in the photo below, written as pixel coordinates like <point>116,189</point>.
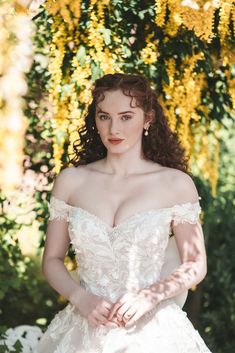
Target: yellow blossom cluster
<point>160,10</point>
<point>71,91</point>
<point>15,60</point>
<point>199,16</point>
<point>97,32</point>
<point>226,11</point>
<point>175,19</point>
<point>183,96</point>
<point>227,54</point>
<point>206,147</point>
<point>96,51</point>
<point>68,10</point>
<point>196,15</point>
<point>58,98</point>
<point>149,53</point>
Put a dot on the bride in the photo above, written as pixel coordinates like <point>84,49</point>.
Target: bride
<point>127,192</point>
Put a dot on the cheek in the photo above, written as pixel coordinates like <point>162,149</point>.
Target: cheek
<point>133,130</point>
<point>102,126</point>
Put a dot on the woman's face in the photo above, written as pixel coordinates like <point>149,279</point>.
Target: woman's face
<point>115,118</point>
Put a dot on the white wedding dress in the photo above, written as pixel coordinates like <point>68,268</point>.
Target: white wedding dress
<point>112,261</point>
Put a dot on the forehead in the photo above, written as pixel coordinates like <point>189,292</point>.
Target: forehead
<point>117,100</point>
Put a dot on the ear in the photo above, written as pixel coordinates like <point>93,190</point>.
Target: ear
<point>149,118</point>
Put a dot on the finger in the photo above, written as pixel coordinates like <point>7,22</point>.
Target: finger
<point>103,311</point>
<point>138,314</point>
<point>116,321</point>
<point>128,315</point>
<point>125,298</point>
<point>99,317</point>
<point>114,309</point>
<point>112,324</point>
<point>109,324</point>
<point>106,304</point>
<point>123,309</point>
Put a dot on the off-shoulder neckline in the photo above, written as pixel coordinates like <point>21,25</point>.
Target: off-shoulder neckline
<point>195,204</point>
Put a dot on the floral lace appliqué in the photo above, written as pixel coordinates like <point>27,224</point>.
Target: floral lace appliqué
<point>186,213</point>
<point>59,210</point>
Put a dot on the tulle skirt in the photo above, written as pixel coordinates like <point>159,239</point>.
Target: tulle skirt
<point>164,330</point>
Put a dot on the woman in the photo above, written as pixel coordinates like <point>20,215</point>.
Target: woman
<point>128,190</point>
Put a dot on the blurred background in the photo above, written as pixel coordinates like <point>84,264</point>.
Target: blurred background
<point>51,52</point>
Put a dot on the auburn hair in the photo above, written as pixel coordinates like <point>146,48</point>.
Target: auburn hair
<point>161,145</point>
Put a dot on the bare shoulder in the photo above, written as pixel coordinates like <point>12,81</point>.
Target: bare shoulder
<point>181,186</point>
<point>67,181</point>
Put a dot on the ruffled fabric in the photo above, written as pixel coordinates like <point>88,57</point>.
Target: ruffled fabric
<point>180,213</point>
<point>167,330</point>
<point>58,210</point>
<point>186,213</point>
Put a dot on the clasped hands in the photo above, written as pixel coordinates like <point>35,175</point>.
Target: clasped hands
<point>129,308</point>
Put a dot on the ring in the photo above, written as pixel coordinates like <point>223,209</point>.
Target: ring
<point>127,315</point>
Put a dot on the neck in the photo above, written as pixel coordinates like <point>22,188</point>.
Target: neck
<point>124,164</point>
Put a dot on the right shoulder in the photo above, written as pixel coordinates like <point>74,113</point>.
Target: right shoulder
<point>67,181</point>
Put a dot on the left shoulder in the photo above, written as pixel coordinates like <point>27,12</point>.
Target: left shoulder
<point>182,186</point>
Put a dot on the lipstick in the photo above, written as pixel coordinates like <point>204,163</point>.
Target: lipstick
<point>115,141</point>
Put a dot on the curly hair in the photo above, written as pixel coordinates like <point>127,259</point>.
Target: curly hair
<point>160,146</point>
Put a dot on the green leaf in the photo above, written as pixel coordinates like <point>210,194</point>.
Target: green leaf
<point>107,36</point>
<point>96,71</point>
<point>18,346</point>
<point>81,55</point>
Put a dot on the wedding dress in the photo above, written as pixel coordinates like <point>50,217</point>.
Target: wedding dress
<point>112,261</point>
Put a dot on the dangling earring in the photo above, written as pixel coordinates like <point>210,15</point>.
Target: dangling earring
<point>146,133</point>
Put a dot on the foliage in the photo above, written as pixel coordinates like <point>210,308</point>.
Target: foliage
<point>182,48</point>
<point>22,287</point>
<point>218,310</point>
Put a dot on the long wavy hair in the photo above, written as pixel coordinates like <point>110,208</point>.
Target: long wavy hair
<point>160,146</point>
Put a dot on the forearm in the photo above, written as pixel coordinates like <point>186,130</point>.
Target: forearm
<point>183,278</point>
<point>59,278</point>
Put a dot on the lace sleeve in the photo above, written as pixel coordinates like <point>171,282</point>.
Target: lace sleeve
<point>58,209</point>
<point>186,213</point>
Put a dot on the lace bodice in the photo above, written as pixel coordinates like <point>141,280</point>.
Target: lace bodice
<point>112,261</point>
<point>130,255</point>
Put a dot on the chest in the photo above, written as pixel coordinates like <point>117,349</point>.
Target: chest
<point>115,201</point>
<point>150,228</point>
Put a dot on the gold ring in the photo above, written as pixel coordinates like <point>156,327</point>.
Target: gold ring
<point>127,315</point>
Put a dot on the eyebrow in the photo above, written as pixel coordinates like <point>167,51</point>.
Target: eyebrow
<point>128,111</point>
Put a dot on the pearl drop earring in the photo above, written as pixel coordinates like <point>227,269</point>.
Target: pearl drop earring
<point>146,133</point>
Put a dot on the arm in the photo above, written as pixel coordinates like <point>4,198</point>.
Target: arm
<point>57,243</point>
<point>190,242</point>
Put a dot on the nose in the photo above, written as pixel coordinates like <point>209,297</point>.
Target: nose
<point>114,127</point>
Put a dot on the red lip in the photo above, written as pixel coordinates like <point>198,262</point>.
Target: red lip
<point>115,141</point>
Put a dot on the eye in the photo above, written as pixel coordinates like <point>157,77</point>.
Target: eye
<point>127,117</point>
<point>101,116</point>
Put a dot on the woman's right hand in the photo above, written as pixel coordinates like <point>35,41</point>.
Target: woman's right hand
<point>94,308</point>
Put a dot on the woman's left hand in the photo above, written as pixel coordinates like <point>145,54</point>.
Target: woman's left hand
<point>132,306</point>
